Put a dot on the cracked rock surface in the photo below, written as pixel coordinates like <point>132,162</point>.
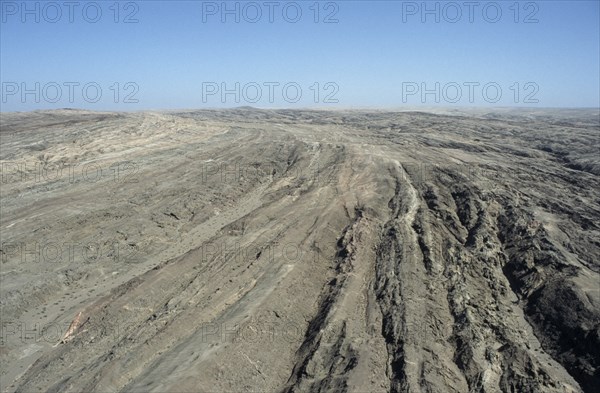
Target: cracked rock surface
<point>249,250</point>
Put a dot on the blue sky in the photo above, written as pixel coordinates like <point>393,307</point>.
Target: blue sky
<point>371,54</point>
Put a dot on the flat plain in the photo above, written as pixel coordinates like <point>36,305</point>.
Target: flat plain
<point>248,250</point>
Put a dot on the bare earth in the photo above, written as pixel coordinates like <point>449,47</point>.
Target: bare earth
<point>251,250</point>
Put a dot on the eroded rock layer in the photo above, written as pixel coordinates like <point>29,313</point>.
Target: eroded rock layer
<point>300,251</point>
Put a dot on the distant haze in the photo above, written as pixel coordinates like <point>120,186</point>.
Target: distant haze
<point>193,54</point>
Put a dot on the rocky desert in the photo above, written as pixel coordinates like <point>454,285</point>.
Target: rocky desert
<point>266,250</point>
